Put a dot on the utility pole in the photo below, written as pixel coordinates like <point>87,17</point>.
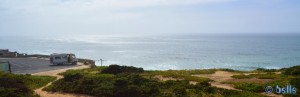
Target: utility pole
<point>101,61</point>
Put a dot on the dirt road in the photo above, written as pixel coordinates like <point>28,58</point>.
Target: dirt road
<point>58,94</point>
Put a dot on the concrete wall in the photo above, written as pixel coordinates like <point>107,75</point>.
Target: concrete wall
<point>92,62</point>
<point>38,56</point>
<point>5,66</point>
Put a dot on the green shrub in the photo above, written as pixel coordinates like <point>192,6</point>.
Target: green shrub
<point>241,76</point>
<point>253,87</point>
<point>13,85</point>
<point>295,70</point>
<point>295,82</point>
<point>268,76</point>
<point>72,76</point>
<point>229,70</point>
<point>233,93</point>
<point>266,70</point>
<point>119,81</point>
<point>116,69</point>
<point>121,85</point>
<point>180,92</point>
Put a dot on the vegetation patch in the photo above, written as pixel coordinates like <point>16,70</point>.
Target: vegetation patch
<point>267,75</point>
<point>234,93</point>
<point>13,85</point>
<point>231,70</point>
<point>266,70</point>
<point>185,74</point>
<point>242,76</point>
<point>116,69</point>
<point>289,76</point>
<point>253,87</point>
<point>134,83</point>
<point>295,71</point>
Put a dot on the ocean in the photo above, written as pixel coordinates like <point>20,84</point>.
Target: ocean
<point>240,52</point>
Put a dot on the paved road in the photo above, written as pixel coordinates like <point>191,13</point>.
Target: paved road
<point>32,65</point>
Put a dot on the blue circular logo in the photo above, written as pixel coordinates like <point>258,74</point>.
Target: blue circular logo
<point>269,89</point>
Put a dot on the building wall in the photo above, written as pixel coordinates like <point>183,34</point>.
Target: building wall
<point>8,54</point>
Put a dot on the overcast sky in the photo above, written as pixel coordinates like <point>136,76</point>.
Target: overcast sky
<point>142,17</point>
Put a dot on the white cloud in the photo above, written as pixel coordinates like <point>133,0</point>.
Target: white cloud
<point>86,11</point>
<point>115,4</point>
<point>100,4</point>
<point>144,16</point>
<point>73,6</point>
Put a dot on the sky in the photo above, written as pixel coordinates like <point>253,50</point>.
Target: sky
<point>148,17</point>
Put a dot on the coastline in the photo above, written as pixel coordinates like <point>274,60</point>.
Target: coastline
<point>221,78</point>
<point>228,79</point>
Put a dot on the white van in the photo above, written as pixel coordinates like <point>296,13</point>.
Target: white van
<point>62,59</point>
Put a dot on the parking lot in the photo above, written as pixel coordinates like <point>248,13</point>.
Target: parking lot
<point>32,65</point>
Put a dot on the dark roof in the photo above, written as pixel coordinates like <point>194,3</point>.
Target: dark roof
<point>4,50</point>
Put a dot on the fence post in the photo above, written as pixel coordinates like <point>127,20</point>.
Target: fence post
<point>9,67</point>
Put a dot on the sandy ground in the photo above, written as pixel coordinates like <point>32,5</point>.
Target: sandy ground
<point>219,77</point>
<point>55,73</point>
<point>222,76</point>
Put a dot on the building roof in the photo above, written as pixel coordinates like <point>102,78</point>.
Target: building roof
<point>4,50</point>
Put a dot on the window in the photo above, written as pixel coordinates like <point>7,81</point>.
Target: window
<point>73,56</point>
<point>1,54</point>
<point>57,58</point>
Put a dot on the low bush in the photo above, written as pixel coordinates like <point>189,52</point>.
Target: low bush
<point>268,76</point>
<point>129,84</point>
<point>233,93</point>
<point>72,76</point>
<point>260,76</point>
<point>295,82</point>
<point>122,85</point>
<point>295,71</point>
<point>230,70</point>
<point>13,85</point>
<point>116,69</point>
<point>241,76</point>
<point>266,70</point>
<point>253,87</point>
